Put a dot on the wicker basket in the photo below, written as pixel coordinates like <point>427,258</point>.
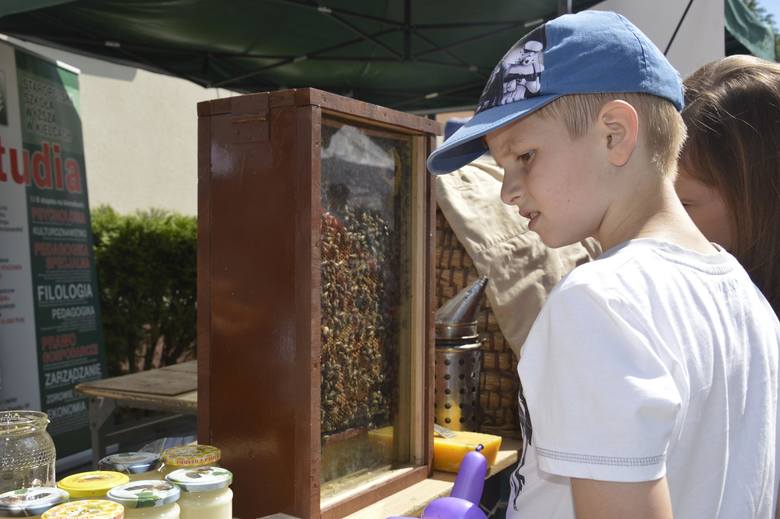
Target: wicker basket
<point>498,380</point>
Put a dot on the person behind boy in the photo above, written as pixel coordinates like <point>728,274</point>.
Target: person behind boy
<point>649,380</point>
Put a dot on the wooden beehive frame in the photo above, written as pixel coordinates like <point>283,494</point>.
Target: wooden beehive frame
<point>242,140</point>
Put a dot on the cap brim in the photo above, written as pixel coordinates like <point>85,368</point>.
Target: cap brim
<point>466,144</point>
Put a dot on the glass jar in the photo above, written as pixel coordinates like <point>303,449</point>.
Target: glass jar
<point>205,492</point>
<point>87,509</point>
<point>92,485</point>
<point>149,499</point>
<point>137,465</point>
<point>30,502</point>
<point>189,456</point>
<point>27,454</point>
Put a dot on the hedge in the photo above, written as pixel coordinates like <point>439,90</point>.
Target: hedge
<point>146,266</point>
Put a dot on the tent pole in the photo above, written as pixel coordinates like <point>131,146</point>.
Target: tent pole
<point>407,30</point>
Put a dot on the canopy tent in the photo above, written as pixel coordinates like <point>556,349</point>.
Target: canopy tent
<point>412,56</point>
<point>398,53</point>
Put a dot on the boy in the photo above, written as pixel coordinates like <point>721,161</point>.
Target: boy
<point>649,380</point>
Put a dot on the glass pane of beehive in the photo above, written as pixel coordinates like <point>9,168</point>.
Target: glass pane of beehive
<point>365,278</point>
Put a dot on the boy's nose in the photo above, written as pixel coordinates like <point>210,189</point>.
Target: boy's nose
<point>512,188</point>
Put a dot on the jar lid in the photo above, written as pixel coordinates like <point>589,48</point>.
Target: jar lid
<point>30,501</point>
<point>201,479</point>
<point>130,462</point>
<point>88,509</point>
<point>147,493</point>
<point>191,455</point>
<point>92,484</point>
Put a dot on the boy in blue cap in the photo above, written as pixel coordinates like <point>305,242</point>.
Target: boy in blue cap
<point>650,377</point>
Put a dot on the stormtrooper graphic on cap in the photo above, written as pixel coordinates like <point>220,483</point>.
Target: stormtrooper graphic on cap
<point>519,73</point>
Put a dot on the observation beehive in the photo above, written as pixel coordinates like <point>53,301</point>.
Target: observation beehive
<point>315,299</point>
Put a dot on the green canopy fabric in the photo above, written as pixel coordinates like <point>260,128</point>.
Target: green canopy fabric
<point>409,55</point>
<point>756,36</point>
<point>405,54</point>
<point>19,6</point>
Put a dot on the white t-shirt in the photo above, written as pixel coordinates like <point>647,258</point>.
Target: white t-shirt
<point>652,360</point>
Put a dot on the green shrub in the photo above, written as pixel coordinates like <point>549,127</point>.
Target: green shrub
<point>146,266</point>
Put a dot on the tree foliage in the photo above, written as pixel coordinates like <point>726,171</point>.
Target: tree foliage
<point>146,265</point>
<point>768,18</point>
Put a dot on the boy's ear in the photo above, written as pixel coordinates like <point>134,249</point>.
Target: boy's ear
<point>618,123</point>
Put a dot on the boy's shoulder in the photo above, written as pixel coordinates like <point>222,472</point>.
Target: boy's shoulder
<point>625,259</point>
<point>645,266</point>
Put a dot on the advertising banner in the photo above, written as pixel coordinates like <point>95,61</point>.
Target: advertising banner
<point>50,328</point>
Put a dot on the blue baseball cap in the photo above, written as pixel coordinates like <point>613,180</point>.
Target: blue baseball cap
<point>585,53</point>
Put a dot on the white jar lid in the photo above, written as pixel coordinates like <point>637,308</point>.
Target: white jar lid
<point>201,479</point>
<point>30,501</point>
<point>130,462</point>
<point>146,493</point>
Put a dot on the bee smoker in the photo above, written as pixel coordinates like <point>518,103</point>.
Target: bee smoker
<point>458,360</point>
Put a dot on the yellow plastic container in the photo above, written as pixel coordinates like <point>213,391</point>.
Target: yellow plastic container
<point>92,485</point>
<point>87,509</point>
<point>189,456</point>
<point>449,452</point>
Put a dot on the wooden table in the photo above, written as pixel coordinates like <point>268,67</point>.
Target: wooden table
<point>171,389</point>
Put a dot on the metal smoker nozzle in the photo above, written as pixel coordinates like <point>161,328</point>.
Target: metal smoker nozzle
<point>457,318</point>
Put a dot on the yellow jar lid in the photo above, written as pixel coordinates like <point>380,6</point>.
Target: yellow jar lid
<point>191,455</point>
<point>89,509</point>
<point>93,484</point>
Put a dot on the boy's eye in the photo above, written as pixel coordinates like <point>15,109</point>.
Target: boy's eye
<point>526,157</point>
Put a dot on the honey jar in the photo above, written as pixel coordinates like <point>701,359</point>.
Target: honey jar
<point>189,456</point>
<point>30,502</point>
<point>137,465</point>
<point>147,499</point>
<point>92,485</point>
<point>205,492</point>
<point>86,509</point>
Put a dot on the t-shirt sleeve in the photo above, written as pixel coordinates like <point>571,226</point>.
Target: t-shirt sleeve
<point>602,403</point>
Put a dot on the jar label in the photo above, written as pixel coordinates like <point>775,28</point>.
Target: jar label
<point>90,509</point>
<point>191,455</point>
<point>92,484</point>
<point>32,499</point>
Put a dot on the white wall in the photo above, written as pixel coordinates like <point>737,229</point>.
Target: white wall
<point>700,38</point>
<point>140,134</point>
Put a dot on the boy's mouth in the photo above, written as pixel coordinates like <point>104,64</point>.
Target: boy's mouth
<point>532,218</point>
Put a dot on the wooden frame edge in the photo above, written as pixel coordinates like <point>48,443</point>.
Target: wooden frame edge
<point>203,318</point>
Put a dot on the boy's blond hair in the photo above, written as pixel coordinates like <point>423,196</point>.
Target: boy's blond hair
<point>660,125</point>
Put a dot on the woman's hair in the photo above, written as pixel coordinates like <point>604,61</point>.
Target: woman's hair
<point>732,110</point>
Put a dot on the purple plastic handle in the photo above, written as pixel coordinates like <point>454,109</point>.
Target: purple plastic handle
<point>452,508</point>
<point>471,478</point>
<point>463,502</point>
